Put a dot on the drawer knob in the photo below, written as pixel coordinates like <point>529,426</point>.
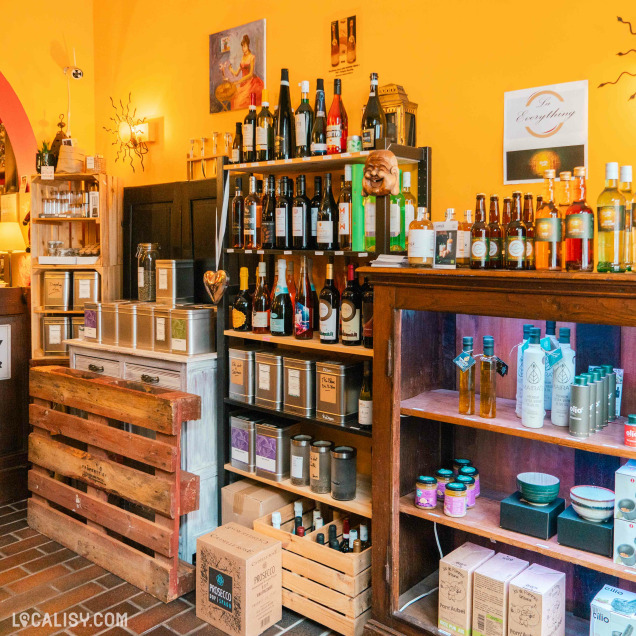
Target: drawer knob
<point>149,379</point>
<point>96,368</point>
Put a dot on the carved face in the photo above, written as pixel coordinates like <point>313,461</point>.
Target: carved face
<point>381,174</point>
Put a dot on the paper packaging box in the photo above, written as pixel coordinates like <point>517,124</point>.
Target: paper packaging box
<point>239,580</point>
<point>246,500</point>
<point>625,492</point>
<point>490,594</point>
<point>456,587</point>
<point>624,551</point>
<point>537,603</point>
<point>613,611</point>
<point>446,237</point>
<point>576,532</point>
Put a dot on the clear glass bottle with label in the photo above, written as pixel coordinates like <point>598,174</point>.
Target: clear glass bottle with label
<point>397,232</point>
<point>344,210</point>
<point>479,248</point>
<point>466,381</point>
<point>421,246</point>
<point>548,230</point>
<point>611,223</point>
<point>488,380</point>
<point>626,189</point>
<point>410,204</point>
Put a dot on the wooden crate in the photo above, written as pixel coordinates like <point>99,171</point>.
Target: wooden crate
<point>111,495</point>
<point>327,586</point>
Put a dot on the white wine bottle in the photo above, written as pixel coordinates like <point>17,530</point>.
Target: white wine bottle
<point>532,412</point>
<point>562,380</point>
<point>365,401</point>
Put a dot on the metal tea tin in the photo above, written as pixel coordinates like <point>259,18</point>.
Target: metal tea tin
<point>269,379</point>
<point>76,323</point>
<point>272,449</point>
<point>579,420</point>
<point>175,281</point>
<point>337,390</point>
<point>192,329</point>
<point>242,374</point>
<point>162,336</point>
<point>93,322</point>
<point>298,383</point>
<point>299,459</point>
<point>320,467</point>
<point>243,441</point>
<point>55,330</point>
<point>146,326</point>
<point>56,290</point>
<point>127,325</point>
<point>343,473</point>
<point>85,288</point>
<point>110,321</point>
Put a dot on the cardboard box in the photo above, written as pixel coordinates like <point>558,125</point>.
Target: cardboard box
<point>625,492</point>
<point>624,548</point>
<point>576,532</point>
<point>239,580</point>
<point>490,594</point>
<point>536,521</point>
<point>246,500</point>
<point>613,611</point>
<point>447,249</point>
<point>537,603</point>
<point>456,587</point>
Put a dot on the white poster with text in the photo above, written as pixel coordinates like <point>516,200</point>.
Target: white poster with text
<point>5,352</point>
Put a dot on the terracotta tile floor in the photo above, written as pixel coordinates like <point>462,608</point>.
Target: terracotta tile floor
<point>38,575</point>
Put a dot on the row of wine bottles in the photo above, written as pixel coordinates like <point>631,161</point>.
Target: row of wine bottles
<point>285,134</point>
<point>296,309</point>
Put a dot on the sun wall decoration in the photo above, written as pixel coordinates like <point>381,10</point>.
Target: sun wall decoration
<point>130,133</point>
<point>629,24</point>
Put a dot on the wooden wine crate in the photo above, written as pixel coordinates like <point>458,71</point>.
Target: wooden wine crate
<point>112,496</point>
<point>330,587</point>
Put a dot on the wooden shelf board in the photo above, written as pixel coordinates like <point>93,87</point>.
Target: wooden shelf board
<point>441,405</point>
<point>65,219</point>
<point>293,252</point>
<point>61,176</point>
<point>51,359</point>
<point>308,164</point>
<point>483,520</point>
<point>361,505</point>
<point>290,341</point>
<point>69,312</point>
<point>95,266</point>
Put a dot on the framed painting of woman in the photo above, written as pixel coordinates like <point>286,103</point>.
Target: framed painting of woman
<point>237,66</point>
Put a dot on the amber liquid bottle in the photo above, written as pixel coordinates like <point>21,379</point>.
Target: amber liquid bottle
<point>516,236</point>
<point>488,380</point>
<point>466,382</point>
<point>479,236</point>
<point>495,235</point>
<point>579,228</point>
<point>548,230</point>
<point>506,212</point>
<point>528,219</point>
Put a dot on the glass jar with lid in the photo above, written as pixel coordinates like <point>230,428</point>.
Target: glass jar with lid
<point>147,254</point>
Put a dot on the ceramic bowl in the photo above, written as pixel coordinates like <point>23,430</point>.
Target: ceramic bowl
<point>592,503</point>
<point>538,489</point>
<point>627,508</point>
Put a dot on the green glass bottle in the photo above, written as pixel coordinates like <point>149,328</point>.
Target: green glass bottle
<point>397,230</point>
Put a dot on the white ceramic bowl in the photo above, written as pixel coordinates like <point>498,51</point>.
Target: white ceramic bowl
<point>592,502</point>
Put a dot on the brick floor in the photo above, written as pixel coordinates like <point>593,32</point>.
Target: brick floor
<point>38,575</point>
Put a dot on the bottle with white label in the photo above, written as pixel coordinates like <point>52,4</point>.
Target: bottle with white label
<point>562,378</point>
<point>397,231</point>
<point>409,203</point>
<point>329,309</point>
<point>550,330</point>
<point>237,146</point>
<point>532,411</point>
<point>365,401</point>
<point>249,131</point>
<point>301,217</point>
<point>344,210</point>
<point>261,304</point>
<point>283,222</point>
<point>421,241</point>
<point>319,129</point>
<point>327,219</point>
<point>351,310</point>
<point>282,312</point>
<point>265,130</point>
<point>304,119</point>
<point>521,347</point>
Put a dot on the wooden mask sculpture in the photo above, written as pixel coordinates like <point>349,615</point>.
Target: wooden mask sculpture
<point>381,174</point>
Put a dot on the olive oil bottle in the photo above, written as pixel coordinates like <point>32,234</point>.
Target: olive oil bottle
<point>488,380</point>
<point>466,382</point>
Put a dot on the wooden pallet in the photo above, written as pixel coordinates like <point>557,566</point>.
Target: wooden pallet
<point>111,495</point>
<point>330,587</point>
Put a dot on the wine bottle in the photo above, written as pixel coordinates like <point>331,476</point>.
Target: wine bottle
<point>249,131</point>
<point>337,123</point>
<point>265,130</point>
<point>291,282</point>
<point>319,129</point>
<point>249,219</point>
<point>284,144</point>
<point>304,305</point>
<point>344,211</point>
<point>350,311</point>
<point>281,316</point>
<point>364,537</point>
<point>327,215</point>
<point>314,295</point>
<point>283,217</point>
<point>373,119</point>
<point>365,401</point>
<point>238,212</point>
<point>329,309</point>
<point>242,307</point>
<point>237,145</point>
<point>344,544</point>
<point>301,217</point>
<point>304,122</point>
<point>367,316</point>
<point>261,304</point>
<point>268,218</point>
<point>315,208</point>
<point>611,224</point>
<point>397,231</point>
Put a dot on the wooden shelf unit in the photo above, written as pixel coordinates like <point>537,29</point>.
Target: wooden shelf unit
<point>276,252</point>
<point>420,317</point>
<point>64,219</point>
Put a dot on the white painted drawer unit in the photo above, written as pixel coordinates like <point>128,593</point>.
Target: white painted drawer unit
<point>192,374</point>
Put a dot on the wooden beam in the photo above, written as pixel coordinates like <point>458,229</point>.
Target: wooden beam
<point>189,492</point>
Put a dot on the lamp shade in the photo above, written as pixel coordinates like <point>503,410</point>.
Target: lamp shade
<point>11,239</point>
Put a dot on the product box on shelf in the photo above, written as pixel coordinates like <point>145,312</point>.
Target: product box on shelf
<point>537,602</point>
<point>447,249</point>
<point>456,587</point>
<point>490,594</point>
<point>239,576</point>
<point>576,532</point>
<point>625,491</point>
<point>244,501</point>
<point>535,521</point>
<point>613,612</point>
<point>625,542</point>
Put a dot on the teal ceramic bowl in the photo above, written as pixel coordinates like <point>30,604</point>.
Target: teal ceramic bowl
<point>538,489</point>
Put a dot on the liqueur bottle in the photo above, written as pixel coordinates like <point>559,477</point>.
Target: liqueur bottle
<point>242,307</point>
<point>565,192</point>
<point>319,129</point>
<point>495,235</point>
<point>337,123</point>
<point>463,238</point>
<point>284,144</point>
<point>562,379</point>
<point>252,203</point>
<point>327,219</point>
<point>409,204</point>
<point>283,218</point>
<point>282,311</point>
<point>344,211</point>
<point>238,213</point>
<point>466,382</point>
<point>268,218</point>
<point>479,249</point>
<point>611,224</point>
<point>315,208</point>
<point>304,305</point>
<point>550,333</point>
<point>350,311</point>
<point>532,410</point>
<point>516,236</point>
<point>488,380</point>
<point>304,122</point>
<point>301,217</point>
<point>367,315</point>
<point>264,130</point>
<point>528,219</point>
<point>237,145</point>
<point>579,228</point>
<point>369,224</point>
<point>548,231</point>
<point>329,309</point>
<point>506,213</point>
<point>249,132</point>
<point>421,251</point>
<point>365,400</point>
<point>373,125</point>
<point>626,189</point>
<point>261,305</point>
<point>397,231</point>
<point>521,347</point>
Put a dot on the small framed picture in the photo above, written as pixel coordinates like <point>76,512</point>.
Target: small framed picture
<point>445,245</point>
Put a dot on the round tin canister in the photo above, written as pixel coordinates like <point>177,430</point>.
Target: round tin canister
<point>320,467</point>
<point>299,447</point>
<point>343,473</point>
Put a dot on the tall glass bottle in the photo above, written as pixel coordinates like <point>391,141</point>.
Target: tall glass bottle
<point>252,202</point>
<point>351,43</point>
<point>367,316</point>
<point>301,217</point>
<point>291,282</point>
<point>548,230</point>
<point>249,132</point>
<point>532,407</point>
<point>329,309</point>
<point>238,213</point>
<point>314,294</point>
<point>337,122</point>
<point>611,223</point>
<point>506,212</point>
<point>268,217</point>
<point>315,208</point>
<point>304,305</point>
<point>550,333</point>
<point>261,304</point>
<point>528,219</point>
<point>579,228</point>
<point>562,380</point>
<point>335,46</point>
<point>237,145</point>
<point>344,211</point>
<point>495,235</point>
<point>282,311</point>
<point>626,189</point>
<point>351,311</point>
<point>565,192</point>
<point>397,231</point>
<point>421,249</point>
<point>283,218</point>
<point>463,236</point>
<point>284,144</point>
<point>319,129</point>
<point>242,306</point>
<point>365,400</point>
<point>369,223</point>
<point>327,219</point>
<point>488,380</point>
<point>264,130</point>
<point>521,347</point>
<point>410,204</point>
<point>479,248</point>
<point>466,381</point>
<point>373,125</point>
<point>516,236</point>
<point>304,122</point>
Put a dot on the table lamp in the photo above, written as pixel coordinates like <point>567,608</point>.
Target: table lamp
<point>11,240</point>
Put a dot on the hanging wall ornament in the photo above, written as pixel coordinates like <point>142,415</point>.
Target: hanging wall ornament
<point>381,174</point>
<point>130,133</point>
